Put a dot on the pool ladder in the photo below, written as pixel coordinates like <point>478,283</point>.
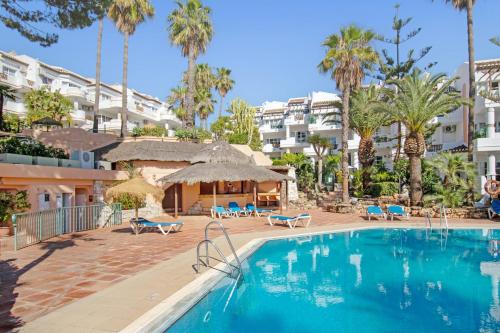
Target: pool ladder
<point>234,271</point>
<point>443,220</point>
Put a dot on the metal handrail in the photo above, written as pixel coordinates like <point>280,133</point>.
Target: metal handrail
<point>442,216</point>
<point>207,241</point>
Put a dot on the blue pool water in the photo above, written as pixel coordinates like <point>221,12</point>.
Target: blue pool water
<point>383,280</point>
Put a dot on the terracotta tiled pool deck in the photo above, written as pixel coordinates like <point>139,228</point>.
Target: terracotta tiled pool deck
<point>38,280</point>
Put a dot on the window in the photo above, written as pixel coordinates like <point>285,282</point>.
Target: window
<point>87,107</point>
<point>8,71</point>
<point>101,119</point>
<point>46,80</point>
<point>495,85</point>
<point>300,137</point>
<point>378,159</point>
<point>273,141</point>
<point>206,188</point>
<point>105,97</point>
<point>72,85</point>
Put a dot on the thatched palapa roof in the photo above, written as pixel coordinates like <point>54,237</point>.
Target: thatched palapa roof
<point>213,172</point>
<point>137,187</point>
<point>148,151</point>
<point>220,161</point>
<point>220,152</point>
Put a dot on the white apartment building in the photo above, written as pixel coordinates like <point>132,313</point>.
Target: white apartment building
<point>24,73</point>
<point>285,126</point>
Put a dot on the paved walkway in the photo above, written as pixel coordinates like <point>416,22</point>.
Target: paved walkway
<point>40,279</point>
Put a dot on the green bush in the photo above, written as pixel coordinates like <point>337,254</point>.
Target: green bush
<point>29,147</point>
<point>149,131</point>
<point>384,189</point>
<point>11,203</point>
<point>127,201</point>
<point>195,134</point>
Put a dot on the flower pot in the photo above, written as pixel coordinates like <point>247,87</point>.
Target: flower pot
<point>4,231</point>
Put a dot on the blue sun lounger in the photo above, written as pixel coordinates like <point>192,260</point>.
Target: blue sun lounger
<point>141,224</point>
<point>494,209</point>
<point>236,209</point>
<point>304,219</point>
<point>257,211</point>
<point>220,212</point>
<point>375,211</point>
<point>397,211</point>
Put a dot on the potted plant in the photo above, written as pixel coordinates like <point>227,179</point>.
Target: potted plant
<point>10,203</point>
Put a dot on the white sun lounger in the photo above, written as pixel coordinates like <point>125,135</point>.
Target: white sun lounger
<point>164,227</point>
<point>304,219</point>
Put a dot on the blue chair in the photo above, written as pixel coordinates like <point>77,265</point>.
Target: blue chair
<point>397,211</point>
<point>257,211</point>
<point>304,219</point>
<point>220,212</point>
<point>375,211</point>
<point>236,209</point>
<point>141,223</point>
<point>494,209</point>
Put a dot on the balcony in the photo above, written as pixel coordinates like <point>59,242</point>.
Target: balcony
<point>112,104</point>
<point>298,119</point>
<point>73,92</point>
<point>487,144</point>
<point>271,148</point>
<point>115,125</point>
<point>271,128</point>
<point>78,116</point>
<point>293,142</point>
<point>10,80</point>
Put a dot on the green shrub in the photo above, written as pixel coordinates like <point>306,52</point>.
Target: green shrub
<point>195,134</point>
<point>127,201</point>
<point>11,203</point>
<point>384,189</point>
<point>14,145</point>
<point>149,131</point>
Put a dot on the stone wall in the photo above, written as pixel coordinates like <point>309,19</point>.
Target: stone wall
<point>152,209</point>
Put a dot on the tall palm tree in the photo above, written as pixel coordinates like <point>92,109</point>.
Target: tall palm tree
<point>127,15</point>
<point>320,145</point>
<point>5,93</point>
<point>102,12</point>
<point>420,99</point>
<point>177,98</point>
<point>223,83</point>
<point>349,54</point>
<point>495,40</point>
<point>468,6</point>
<point>191,29</point>
<point>365,119</point>
<point>204,106</point>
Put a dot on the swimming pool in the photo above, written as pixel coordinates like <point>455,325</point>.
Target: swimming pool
<point>379,280</point>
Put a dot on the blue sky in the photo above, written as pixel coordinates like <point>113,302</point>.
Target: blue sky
<point>272,46</point>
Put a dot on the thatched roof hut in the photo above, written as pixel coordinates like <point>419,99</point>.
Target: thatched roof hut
<point>230,172</point>
<point>148,151</point>
<point>221,152</point>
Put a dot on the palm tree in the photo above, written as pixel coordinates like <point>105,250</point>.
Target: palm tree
<point>495,40</point>
<point>468,6</point>
<point>104,7</point>
<point>420,99</point>
<point>191,29</point>
<point>177,98</point>
<point>204,106</point>
<point>5,93</point>
<point>223,83</point>
<point>365,119</point>
<point>320,145</point>
<point>347,57</point>
<point>204,78</point>
<point>127,15</point>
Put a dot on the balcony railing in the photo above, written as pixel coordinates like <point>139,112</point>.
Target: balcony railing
<point>434,148</point>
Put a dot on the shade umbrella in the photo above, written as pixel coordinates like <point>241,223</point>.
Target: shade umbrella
<point>138,188</point>
<point>47,121</point>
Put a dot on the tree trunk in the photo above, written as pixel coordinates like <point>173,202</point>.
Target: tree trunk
<point>399,143</point>
<point>1,111</point>
<point>220,106</point>
<point>345,138</point>
<point>95,126</point>
<point>415,180</point>
<point>320,172</point>
<point>472,79</point>
<point>190,121</point>
<point>123,131</point>
<point>472,91</point>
